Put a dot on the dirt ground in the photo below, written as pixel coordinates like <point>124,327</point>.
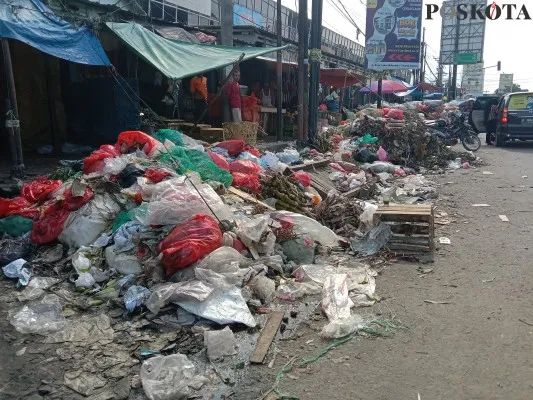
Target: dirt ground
<point>478,346</point>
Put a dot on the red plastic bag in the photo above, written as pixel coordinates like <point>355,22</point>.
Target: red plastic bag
<point>39,189</point>
<point>234,147</point>
<point>17,206</point>
<point>245,167</point>
<point>396,113</point>
<point>96,161</point>
<point>219,160</point>
<point>190,241</point>
<point>72,203</point>
<point>303,177</point>
<point>129,141</point>
<point>245,181</point>
<point>50,225</point>
<point>156,175</point>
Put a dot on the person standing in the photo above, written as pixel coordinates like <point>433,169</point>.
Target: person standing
<point>199,94</point>
<point>492,121</point>
<point>234,96</point>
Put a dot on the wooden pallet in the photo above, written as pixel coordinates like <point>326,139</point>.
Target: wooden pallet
<point>412,226</point>
<point>212,135</point>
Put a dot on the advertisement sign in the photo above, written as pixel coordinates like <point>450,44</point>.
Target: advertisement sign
<point>472,80</point>
<point>245,16</point>
<point>506,83</point>
<point>393,29</point>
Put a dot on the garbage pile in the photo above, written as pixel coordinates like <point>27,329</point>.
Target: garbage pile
<point>398,135</point>
<point>151,235</point>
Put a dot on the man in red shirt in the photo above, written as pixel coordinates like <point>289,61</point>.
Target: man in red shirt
<point>234,96</point>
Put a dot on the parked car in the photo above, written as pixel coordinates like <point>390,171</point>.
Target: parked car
<point>515,117</point>
<point>480,112</point>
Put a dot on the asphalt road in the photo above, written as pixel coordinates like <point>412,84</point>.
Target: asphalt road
<point>480,345</point>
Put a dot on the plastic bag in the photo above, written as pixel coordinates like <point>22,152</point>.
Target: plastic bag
<point>300,250</point>
<point>373,241</point>
<point>15,225</point>
<point>245,181</point>
<point>269,160</point>
<point>84,226</point>
<point>256,233</point>
<point>190,241</point>
<point>367,217</point>
<point>169,134</point>
<point>175,200</point>
<point>130,141</point>
<point>96,161</point>
<point>35,288</point>
<point>16,270</point>
<point>156,175</point>
<point>123,237</point>
<point>177,157</point>
<point>12,249</point>
<point>382,154</point>
<point>220,344</point>
<point>135,297</point>
<point>50,225</point>
<point>207,169</point>
<point>219,160</point>
<point>40,317</point>
<point>306,226</point>
<point>396,114</point>
<point>167,377</point>
<point>366,139</point>
<point>17,206</point>
<point>73,203</point>
<point>234,147</point>
<point>123,263</point>
<point>380,166</point>
<point>245,167</point>
<point>85,280</point>
<point>39,189</point>
<point>121,218</point>
<point>220,257</point>
<point>288,156</point>
<point>303,177</point>
<point>174,292</point>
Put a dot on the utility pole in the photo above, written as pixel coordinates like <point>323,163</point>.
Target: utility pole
<point>279,91</point>
<point>314,59</point>
<point>18,169</point>
<point>422,76</point>
<point>440,71</point>
<point>226,39</point>
<point>456,50</point>
<point>380,90</point>
<point>303,40</point>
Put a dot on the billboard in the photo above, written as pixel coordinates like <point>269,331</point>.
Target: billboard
<point>467,34</point>
<point>393,30</point>
<point>472,80</point>
<point>245,16</point>
<point>506,83</point>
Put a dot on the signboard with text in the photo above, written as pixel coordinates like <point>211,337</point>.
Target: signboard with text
<point>393,29</point>
<point>473,79</point>
<point>506,83</point>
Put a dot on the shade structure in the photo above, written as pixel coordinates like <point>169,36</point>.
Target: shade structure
<point>388,87</point>
<point>178,60</point>
<point>33,23</point>
<point>339,77</point>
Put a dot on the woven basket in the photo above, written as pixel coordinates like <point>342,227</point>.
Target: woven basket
<point>245,130</point>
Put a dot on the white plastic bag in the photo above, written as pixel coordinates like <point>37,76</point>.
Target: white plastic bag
<point>256,233</point>
<point>220,343</point>
<point>16,270</point>
<point>85,280</point>
<point>40,317</point>
<point>367,217</point>
<point>174,201</point>
<point>167,377</point>
<point>288,156</point>
<point>85,225</point>
<point>124,263</point>
<point>173,292</point>
<point>309,227</point>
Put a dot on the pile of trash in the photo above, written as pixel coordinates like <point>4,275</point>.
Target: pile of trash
<point>152,228</point>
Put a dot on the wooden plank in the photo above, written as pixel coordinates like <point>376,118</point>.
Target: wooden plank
<point>405,218</point>
<point>418,241</point>
<point>266,337</point>
<point>312,165</point>
<point>248,197</point>
<point>407,247</point>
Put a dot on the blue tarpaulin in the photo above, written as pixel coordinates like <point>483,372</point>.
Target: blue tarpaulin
<point>33,23</point>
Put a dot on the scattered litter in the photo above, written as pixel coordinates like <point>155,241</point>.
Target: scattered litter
<point>167,377</point>
<point>489,280</point>
<point>503,218</point>
<point>220,343</point>
<point>524,176</point>
<point>480,205</point>
<point>525,322</point>
<point>40,317</point>
<point>436,302</point>
<point>488,173</point>
<point>16,270</point>
<point>444,240</point>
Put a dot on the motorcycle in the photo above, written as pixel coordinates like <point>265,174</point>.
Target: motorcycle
<point>454,129</point>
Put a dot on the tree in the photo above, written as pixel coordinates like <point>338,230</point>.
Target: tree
<point>516,88</point>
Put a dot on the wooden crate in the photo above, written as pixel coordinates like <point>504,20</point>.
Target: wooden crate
<point>212,135</point>
<point>412,226</point>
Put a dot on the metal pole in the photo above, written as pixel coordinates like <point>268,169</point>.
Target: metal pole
<point>456,50</point>
<point>226,39</point>
<point>13,124</point>
<point>303,38</point>
<point>342,93</point>
<point>380,90</point>
<point>423,58</point>
<point>306,74</point>
<point>316,41</point>
<point>279,70</point>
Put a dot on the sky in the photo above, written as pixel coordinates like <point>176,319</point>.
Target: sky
<point>505,41</point>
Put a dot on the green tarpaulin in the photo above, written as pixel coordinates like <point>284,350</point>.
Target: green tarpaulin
<point>178,60</point>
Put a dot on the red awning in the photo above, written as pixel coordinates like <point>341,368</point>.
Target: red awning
<point>423,86</point>
<point>337,76</point>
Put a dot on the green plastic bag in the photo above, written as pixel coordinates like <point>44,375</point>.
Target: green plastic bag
<point>207,169</point>
<point>15,225</point>
<point>169,134</point>
<point>366,139</point>
<point>121,218</point>
<point>183,160</point>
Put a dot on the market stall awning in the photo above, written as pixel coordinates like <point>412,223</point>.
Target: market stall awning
<point>33,23</point>
<point>387,87</point>
<point>339,77</point>
<point>426,87</point>
<point>178,60</point>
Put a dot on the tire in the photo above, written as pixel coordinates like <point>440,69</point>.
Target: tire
<point>498,141</point>
<point>471,142</point>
